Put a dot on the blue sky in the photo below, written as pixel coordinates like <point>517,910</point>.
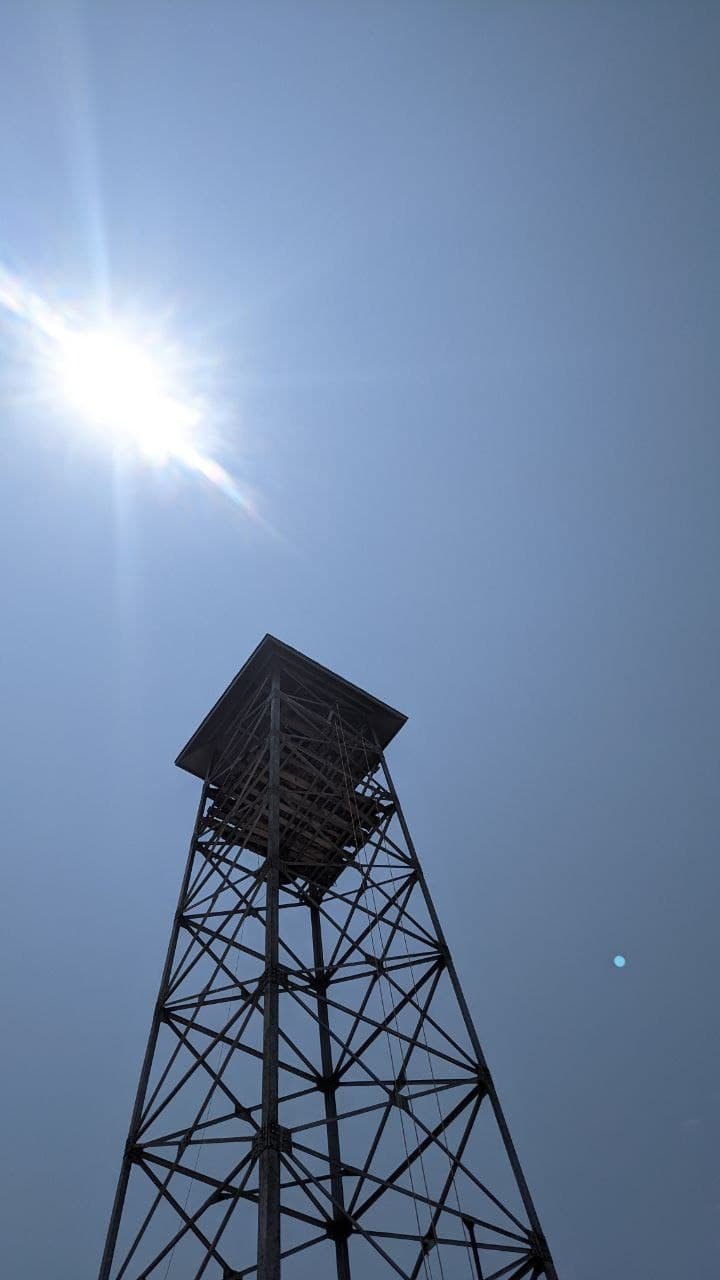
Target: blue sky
<point>451,270</point>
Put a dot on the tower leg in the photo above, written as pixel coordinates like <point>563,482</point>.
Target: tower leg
<point>268,1254</point>
<point>524,1190</point>
<point>342,1257</point>
<point>126,1166</point>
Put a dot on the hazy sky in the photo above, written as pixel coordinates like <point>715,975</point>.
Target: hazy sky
<point>452,273</point>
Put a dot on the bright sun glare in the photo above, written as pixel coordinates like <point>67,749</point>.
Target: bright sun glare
<point>119,385</point>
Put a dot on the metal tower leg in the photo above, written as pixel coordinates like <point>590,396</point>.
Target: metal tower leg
<point>126,1166</point>
<point>341,1225</point>
<point>502,1124</point>
<point>269,1154</point>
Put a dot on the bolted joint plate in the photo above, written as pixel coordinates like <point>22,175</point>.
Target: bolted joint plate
<point>340,1227</point>
<point>272,1137</point>
<point>399,1099</point>
<point>429,1241</point>
<point>275,975</point>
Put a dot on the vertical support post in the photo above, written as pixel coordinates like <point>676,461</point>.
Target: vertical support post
<point>502,1124</point>
<point>268,1252</point>
<point>135,1121</point>
<point>342,1257</point>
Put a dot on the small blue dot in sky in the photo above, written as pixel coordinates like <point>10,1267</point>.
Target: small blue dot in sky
<point>619,962</point>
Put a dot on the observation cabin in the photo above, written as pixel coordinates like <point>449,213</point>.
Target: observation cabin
<point>332,736</point>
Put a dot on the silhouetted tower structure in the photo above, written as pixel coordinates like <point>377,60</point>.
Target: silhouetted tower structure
<point>314,1101</point>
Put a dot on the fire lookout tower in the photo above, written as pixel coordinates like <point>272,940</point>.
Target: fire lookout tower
<point>314,1102</point>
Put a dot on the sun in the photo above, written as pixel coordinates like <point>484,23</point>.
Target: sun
<point>117,386</point>
<point>127,385</point>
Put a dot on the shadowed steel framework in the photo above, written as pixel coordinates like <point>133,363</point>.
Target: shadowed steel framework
<point>314,1101</point>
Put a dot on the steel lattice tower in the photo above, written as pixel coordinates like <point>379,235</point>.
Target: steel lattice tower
<point>314,1101</point>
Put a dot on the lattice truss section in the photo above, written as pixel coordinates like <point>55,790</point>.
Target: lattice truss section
<point>395,1158</point>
